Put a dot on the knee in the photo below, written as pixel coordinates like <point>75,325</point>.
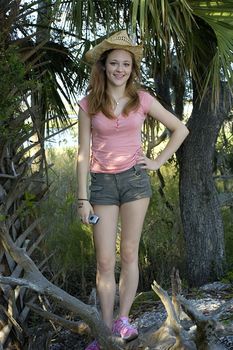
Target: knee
<point>106,265</point>
<point>129,255</point>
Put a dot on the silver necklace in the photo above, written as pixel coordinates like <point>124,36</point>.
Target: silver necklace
<point>118,101</point>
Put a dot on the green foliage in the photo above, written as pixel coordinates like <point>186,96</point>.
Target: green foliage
<point>162,245</point>
<point>13,85</point>
<point>224,148</point>
<point>2,218</point>
<point>227,214</point>
<point>197,293</point>
<point>228,278</point>
<point>73,246</point>
<point>12,75</point>
<point>224,183</point>
<point>67,240</point>
<point>28,205</point>
<point>144,300</point>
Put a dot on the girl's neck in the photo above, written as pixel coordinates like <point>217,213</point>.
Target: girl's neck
<point>116,93</point>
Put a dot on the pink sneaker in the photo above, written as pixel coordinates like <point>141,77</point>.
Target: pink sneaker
<point>93,346</point>
<point>122,327</point>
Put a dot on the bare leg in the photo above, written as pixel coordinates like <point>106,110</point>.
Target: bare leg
<point>132,218</point>
<point>105,245</point>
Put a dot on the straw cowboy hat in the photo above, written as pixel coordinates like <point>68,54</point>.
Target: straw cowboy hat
<point>119,40</point>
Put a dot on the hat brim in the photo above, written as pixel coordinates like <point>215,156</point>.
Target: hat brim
<point>94,54</point>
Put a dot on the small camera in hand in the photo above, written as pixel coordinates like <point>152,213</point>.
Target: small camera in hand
<point>93,219</point>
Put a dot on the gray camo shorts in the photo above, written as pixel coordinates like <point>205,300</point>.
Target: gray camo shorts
<point>119,188</point>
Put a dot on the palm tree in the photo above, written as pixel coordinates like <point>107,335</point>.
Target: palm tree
<point>35,72</point>
<point>192,41</point>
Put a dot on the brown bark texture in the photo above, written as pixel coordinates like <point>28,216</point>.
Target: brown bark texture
<point>199,199</point>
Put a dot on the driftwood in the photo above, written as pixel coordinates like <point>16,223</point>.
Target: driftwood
<point>170,336</point>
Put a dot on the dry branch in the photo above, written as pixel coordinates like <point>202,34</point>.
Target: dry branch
<point>170,335</point>
<point>206,327</point>
<point>76,327</point>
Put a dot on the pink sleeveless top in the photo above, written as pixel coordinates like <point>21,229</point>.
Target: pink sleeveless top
<point>116,143</point>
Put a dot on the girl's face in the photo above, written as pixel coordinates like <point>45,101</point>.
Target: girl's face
<point>118,67</point>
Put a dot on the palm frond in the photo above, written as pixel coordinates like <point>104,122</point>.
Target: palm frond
<point>198,33</point>
<point>219,17</point>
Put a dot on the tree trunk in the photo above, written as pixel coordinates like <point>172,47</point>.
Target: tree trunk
<point>200,209</point>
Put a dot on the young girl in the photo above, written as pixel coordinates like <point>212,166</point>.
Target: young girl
<point>110,121</point>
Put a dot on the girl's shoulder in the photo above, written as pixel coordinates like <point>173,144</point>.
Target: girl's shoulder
<point>144,94</point>
<point>146,99</point>
<point>83,103</point>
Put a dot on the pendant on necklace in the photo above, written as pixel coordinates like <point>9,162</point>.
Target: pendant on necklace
<point>118,101</point>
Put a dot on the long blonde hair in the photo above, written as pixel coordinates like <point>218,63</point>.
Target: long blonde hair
<point>98,97</point>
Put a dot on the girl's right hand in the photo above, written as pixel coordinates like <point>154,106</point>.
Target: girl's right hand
<point>84,211</point>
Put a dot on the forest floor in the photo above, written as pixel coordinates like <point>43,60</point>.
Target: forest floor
<point>206,299</point>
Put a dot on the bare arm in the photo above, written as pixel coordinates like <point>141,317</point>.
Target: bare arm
<point>83,163</point>
<point>178,134</point>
